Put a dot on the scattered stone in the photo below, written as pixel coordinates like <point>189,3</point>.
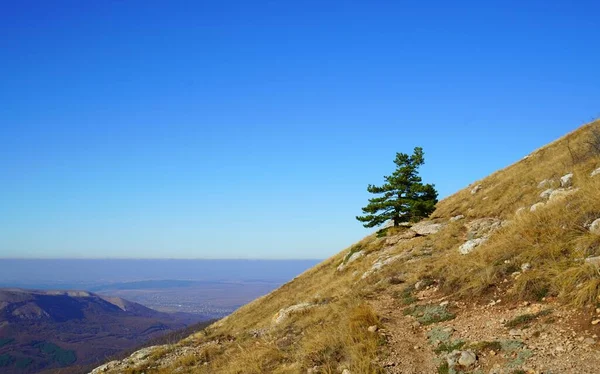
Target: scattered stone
<point>470,245</point>
<point>467,358</point>
<point>420,284</point>
<point>475,189</point>
<point>372,328</point>
<point>595,172</point>
<point>546,183</point>
<point>444,303</point>
<point>566,180</point>
<point>546,194</point>
<point>589,341</point>
<point>536,206</point>
<point>457,218</point>
<point>595,227</point>
<point>427,228</point>
<point>595,322</point>
<point>526,266</point>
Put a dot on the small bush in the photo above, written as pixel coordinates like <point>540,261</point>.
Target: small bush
<point>525,319</point>
<point>428,314</point>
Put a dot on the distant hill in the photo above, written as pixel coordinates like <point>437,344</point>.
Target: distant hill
<point>42,330</point>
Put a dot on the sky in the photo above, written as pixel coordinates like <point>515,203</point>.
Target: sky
<point>250,129</point>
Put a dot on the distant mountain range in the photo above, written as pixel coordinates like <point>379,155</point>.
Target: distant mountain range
<point>44,330</point>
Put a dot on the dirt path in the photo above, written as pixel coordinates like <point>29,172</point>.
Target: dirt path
<point>407,351</point>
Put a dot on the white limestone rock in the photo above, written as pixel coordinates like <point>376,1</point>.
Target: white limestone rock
<point>470,245</point>
<point>566,180</point>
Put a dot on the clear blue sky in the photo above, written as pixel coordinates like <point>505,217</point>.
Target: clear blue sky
<point>250,129</point>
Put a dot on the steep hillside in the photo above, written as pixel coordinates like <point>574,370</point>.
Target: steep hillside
<point>503,278</point>
<point>41,330</point>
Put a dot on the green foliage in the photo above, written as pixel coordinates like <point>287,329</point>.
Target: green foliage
<point>428,314</point>
<point>6,341</point>
<point>403,197</point>
<point>525,319</point>
<point>62,356</point>
<point>6,360</point>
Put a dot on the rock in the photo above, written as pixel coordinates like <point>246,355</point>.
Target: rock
<point>475,189</point>
<point>470,245</point>
<point>526,266</point>
<point>444,303</point>
<point>561,193</point>
<point>427,228</point>
<point>589,341</point>
<point>457,218</point>
<point>482,227</point>
<point>595,172</point>
<point>593,260</point>
<point>546,194</point>
<point>566,180</point>
<point>595,227</point>
<point>467,358</point>
<point>595,322</point>
<point>346,371</point>
<point>515,332</point>
<point>381,262</point>
<point>520,211</point>
<point>284,313</point>
<point>353,257</point>
<point>373,328</point>
<point>393,240</point>
<point>546,183</point>
<point>536,206</point>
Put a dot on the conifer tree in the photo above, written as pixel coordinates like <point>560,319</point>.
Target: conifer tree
<point>403,197</point>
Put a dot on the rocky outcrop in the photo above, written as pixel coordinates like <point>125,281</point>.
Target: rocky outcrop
<point>478,232</point>
<point>427,228</point>
<point>284,313</point>
<point>353,257</point>
<point>468,246</point>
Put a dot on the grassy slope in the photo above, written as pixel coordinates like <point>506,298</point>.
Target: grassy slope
<point>333,334</point>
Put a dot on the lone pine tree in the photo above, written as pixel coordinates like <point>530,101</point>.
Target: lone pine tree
<point>403,196</point>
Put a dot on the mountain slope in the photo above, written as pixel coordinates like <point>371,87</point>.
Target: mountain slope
<point>42,330</point>
<point>503,278</point>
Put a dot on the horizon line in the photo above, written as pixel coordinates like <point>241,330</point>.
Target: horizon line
<point>162,258</point>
